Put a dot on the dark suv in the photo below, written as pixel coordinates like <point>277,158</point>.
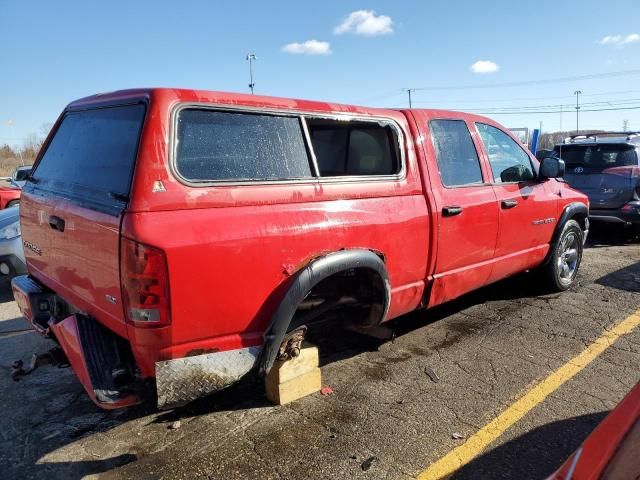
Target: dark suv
<point>605,166</point>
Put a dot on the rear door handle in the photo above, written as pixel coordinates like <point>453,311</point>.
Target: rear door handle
<point>56,223</point>
<point>509,204</point>
<point>451,211</point>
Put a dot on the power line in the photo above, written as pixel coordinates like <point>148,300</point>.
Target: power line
<point>594,76</point>
<point>521,99</point>
<point>525,109</point>
<point>541,112</point>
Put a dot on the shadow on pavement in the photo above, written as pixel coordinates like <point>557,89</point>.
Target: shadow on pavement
<point>627,279</point>
<point>534,455</point>
<point>609,234</point>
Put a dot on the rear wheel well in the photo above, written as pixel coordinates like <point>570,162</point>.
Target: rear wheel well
<point>359,293</point>
<point>359,273</point>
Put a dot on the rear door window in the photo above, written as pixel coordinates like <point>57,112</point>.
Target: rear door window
<point>92,153</point>
<point>456,155</point>
<point>216,146</point>
<point>354,148</point>
<point>509,162</point>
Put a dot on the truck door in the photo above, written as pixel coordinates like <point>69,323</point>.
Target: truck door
<point>465,206</point>
<point>528,207</point>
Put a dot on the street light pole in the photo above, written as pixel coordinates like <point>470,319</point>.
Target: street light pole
<point>577,93</point>
<point>251,58</point>
<point>409,91</point>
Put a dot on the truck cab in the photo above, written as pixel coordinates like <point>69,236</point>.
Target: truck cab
<point>183,238</point>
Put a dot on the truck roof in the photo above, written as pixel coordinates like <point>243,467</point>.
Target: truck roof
<point>258,101</point>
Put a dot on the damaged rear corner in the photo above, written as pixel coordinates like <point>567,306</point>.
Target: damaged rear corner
<point>101,360</point>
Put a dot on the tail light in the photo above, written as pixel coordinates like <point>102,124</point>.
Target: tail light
<point>145,284</point>
<point>628,171</point>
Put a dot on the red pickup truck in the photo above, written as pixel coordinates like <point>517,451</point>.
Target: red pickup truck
<point>187,237</point>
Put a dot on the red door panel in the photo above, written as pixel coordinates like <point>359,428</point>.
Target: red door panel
<point>527,206</point>
<point>467,214</point>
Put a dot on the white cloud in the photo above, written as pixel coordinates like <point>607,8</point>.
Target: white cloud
<point>365,23</point>
<point>310,47</point>
<point>632,38</point>
<point>620,40</point>
<point>484,66</point>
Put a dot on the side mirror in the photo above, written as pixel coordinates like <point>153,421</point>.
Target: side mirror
<point>551,167</point>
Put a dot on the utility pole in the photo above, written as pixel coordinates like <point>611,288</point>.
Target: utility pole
<point>625,125</point>
<point>577,93</point>
<point>409,91</point>
<point>251,58</point>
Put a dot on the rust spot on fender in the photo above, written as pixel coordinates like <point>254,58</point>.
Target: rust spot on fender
<point>290,269</point>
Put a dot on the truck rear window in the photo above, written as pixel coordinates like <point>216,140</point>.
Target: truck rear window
<point>223,146</point>
<point>93,152</point>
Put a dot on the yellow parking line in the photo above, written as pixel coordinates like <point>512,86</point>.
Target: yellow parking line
<point>463,454</point>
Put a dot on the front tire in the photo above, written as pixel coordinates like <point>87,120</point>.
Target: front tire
<point>561,269</point>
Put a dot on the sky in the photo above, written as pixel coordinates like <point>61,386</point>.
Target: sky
<point>518,63</point>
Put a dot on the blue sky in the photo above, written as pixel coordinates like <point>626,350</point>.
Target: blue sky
<point>54,52</point>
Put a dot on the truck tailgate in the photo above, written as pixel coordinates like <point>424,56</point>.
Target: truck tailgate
<point>78,261</point>
<point>73,205</point>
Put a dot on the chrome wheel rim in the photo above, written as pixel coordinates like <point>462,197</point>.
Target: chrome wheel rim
<point>568,255</point>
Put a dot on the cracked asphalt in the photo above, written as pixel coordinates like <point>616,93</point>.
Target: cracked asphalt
<point>396,406</point>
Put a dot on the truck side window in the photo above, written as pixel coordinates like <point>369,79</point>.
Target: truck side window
<point>457,158</point>
<point>509,162</point>
<point>227,146</point>
<point>353,148</point>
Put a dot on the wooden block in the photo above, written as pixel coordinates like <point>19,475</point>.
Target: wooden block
<point>295,388</point>
<point>283,371</point>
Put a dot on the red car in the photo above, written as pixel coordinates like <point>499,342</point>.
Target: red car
<point>611,451</point>
<point>187,237</point>
<point>9,196</point>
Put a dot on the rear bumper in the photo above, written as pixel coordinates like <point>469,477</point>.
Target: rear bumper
<point>623,215</point>
<point>182,372</point>
<point>68,334</point>
<point>96,354</point>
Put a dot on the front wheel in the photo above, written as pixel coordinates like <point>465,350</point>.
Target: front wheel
<point>560,271</point>
<point>12,203</point>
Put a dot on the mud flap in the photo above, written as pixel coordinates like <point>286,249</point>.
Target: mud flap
<point>182,380</point>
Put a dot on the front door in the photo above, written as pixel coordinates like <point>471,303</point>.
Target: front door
<point>528,207</point>
<point>466,209</point>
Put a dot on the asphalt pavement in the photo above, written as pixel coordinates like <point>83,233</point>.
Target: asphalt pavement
<point>396,407</point>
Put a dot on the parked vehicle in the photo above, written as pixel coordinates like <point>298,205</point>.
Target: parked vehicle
<point>20,175</point>
<point>12,260</point>
<point>10,194</point>
<point>605,166</point>
<point>187,236</point>
<point>611,451</point>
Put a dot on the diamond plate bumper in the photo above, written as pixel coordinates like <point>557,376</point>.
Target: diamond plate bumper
<point>181,380</point>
